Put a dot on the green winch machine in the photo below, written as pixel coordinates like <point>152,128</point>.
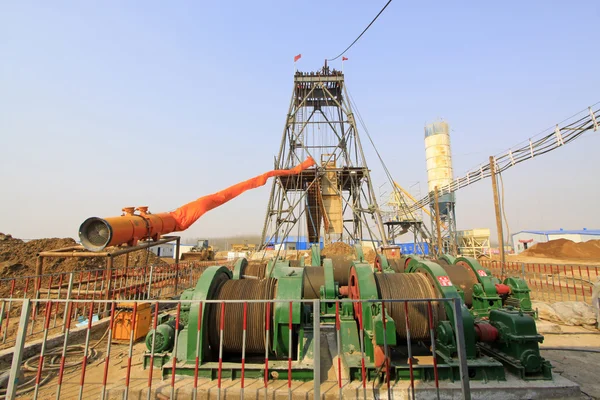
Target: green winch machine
<point>480,290</point>
<point>507,339</point>
<point>200,335</point>
<point>499,335</point>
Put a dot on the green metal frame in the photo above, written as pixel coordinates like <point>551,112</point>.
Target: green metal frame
<point>372,315</point>
<point>410,260</point>
<point>441,280</point>
<point>289,287</point>
<point>329,291</point>
<point>360,255</point>
<point>518,346</point>
<point>519,294</point>
<point>450,259</point>
<point>238,267</point>
<point>382,261</point>
<point>485,296</point>
<point>315,255</point>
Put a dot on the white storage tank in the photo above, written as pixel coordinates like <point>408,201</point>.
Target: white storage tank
<point>438,155</point>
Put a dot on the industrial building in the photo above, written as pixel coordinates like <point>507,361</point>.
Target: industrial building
<point>474,242</point>
<point>168,249</point>
<point>526,239</point>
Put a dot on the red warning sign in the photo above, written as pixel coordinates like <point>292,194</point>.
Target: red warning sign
<point>481,272</point>
<point>444,281</point>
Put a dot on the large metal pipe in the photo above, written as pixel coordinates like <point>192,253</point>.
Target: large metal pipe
<point>98,233</point>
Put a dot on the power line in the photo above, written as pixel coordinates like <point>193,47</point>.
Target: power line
<point>363,32</point>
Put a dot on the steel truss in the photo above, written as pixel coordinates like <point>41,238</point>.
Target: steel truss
<point>320,123</point>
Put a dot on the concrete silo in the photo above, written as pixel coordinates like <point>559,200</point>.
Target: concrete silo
<point>440,174</point>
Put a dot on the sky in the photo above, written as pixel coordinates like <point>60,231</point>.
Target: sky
<point>111,104</point>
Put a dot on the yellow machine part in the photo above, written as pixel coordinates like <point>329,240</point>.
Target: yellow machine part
<point>203,255</point>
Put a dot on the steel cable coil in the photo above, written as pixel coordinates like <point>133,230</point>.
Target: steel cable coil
<point>244,290</point>
<point>410,286</point>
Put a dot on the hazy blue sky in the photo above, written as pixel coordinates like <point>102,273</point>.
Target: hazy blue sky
<point>112,104</point>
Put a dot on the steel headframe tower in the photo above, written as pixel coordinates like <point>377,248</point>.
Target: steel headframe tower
<point>334,200</point>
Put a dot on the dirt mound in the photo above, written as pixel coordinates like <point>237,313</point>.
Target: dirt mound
<point>18,258</point>
<point>370,256</point>
<point>564,248</point>
<point>337,249</point>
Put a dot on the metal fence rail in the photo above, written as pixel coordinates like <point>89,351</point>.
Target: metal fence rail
<point>551,282</point>
<point>126,283</point>
<point>82,360</point>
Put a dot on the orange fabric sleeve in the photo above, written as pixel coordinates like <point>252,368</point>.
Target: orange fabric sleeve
<point>186,215</point>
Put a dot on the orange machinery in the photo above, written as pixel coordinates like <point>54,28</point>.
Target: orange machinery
<point>98,233</point>
<point>124,318</point>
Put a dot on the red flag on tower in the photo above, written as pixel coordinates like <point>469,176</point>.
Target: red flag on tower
<point>344,58</point>
<point>297,57</point>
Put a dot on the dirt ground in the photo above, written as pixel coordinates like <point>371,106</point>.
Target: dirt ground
<point>549,260</point>
<point>577,366</point>
<point>564,248</point>
<point>560,251</point>
<point>18,258</point>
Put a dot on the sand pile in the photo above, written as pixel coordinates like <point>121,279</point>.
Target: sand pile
<point>564,248</point>
<point>370,256</point>
<point>18,258</point>
<point>337,249</point>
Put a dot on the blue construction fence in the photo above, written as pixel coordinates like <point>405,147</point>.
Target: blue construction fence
<point>411,248</point>
<point>405,248</point>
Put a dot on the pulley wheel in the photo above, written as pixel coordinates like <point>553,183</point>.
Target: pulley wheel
<point>462,276</point>
<point>314,278</point>
<point>354,291</point>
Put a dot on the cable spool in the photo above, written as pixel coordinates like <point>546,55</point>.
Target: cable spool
<point>314,278</point>
<point>461,276</point>
<point>243,289</point>
<point>255,268</point>
<point>396,265</point>
<point>410,286</point>
<point>341,268</point>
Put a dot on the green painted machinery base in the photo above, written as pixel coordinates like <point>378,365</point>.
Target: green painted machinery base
<point>160,360</point>
<point>480,369</point>
<point>302,369</point>
<point>515,367</point>
<point>232,370</point>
